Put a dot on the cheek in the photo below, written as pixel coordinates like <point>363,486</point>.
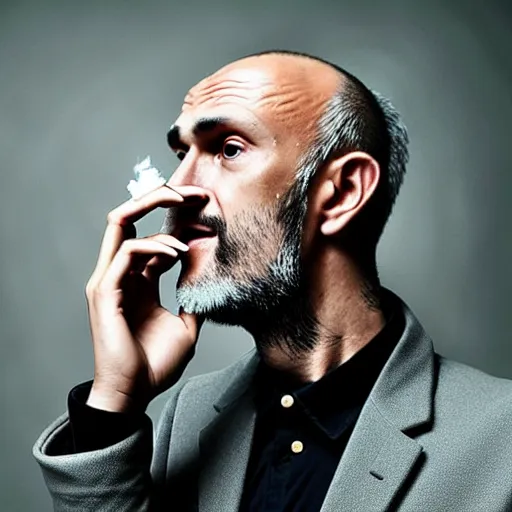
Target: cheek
<point>236,192</point>
<point>259,178</point>
<point>256,233</point>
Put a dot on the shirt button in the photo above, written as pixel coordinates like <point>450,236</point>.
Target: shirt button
<point>287,401</point>
<point>297,447</point>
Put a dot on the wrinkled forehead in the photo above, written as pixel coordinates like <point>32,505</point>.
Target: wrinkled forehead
<point>287,103</point>
<point>245,87</point>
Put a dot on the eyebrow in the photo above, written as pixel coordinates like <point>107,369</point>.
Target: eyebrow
<point>209,124</point>
<point>201,126</point>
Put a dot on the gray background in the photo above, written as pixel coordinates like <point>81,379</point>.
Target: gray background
<point>89,87</point>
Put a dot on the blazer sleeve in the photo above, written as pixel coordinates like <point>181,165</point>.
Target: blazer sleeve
<point>125,477</point>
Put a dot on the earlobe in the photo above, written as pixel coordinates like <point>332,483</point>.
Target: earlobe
<point>329,227</point>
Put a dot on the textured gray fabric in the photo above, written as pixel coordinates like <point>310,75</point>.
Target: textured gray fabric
<point>118,478</point>
<point>434,435</point>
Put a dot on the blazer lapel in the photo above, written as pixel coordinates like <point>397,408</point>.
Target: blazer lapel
<point>376,463</point>
<point>225,445</point>
<point>381,453</point>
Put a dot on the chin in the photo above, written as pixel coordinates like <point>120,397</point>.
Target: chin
<point>189,276</point>
<point>215,298</point>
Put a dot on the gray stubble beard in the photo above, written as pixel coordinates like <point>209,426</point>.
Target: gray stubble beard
<point>247,287</point>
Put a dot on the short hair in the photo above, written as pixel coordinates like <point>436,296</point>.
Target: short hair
<point>358,119</point>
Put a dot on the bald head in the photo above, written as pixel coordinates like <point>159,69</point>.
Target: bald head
<point>290,92</point>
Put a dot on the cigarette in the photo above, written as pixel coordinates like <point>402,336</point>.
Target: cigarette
<point>147,178</point>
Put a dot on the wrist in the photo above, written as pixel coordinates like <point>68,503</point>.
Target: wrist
<point>112,401</point>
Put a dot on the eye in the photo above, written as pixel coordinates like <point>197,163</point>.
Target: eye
<point>230,150</point>
<point>180,154</point>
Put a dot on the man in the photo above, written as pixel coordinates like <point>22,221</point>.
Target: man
<point>289,170</point>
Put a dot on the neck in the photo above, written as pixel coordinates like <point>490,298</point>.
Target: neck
<point>312,336</point>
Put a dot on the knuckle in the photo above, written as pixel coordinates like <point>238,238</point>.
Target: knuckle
<point>128,246</point>
<point>88,290</point>
<point>114,217</point>
<point>96,290</point>
<point>90,287</point>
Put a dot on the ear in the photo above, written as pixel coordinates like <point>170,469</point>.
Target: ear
<point>349,182</point>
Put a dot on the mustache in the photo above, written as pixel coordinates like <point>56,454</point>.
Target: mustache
<point>213,222</point>
<point>176,218</point>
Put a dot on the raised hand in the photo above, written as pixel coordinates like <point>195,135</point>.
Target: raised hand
<point>140,348</point>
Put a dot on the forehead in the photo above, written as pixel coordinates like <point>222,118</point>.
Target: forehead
<point>245,87</point>
<point>285,99</point>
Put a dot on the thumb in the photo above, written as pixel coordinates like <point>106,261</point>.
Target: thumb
<point>192,321</point>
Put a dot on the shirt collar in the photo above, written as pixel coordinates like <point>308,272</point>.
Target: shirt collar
<point>335,401</point>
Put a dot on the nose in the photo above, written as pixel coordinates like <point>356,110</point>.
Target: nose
<point>188,174</point>
<point>183,175</point>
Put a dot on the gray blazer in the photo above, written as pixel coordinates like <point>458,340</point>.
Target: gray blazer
<point>434,435</point>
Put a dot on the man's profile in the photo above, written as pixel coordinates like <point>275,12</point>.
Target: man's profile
<point>289,170</point>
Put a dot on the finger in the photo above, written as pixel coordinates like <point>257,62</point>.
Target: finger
<point>139,262</point>
<point>169,240</point>
<point>113,237</point>
<point>165,196</point>
<point>123,260</point>
<point>126,214</point>
<point>188,190</point>
<point>157,266</point>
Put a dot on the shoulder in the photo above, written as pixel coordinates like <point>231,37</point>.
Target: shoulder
<point>471,379</point>
<point>462,387</point>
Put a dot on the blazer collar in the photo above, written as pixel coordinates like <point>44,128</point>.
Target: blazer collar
<point>240,381</point>
<point>403,392</point>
